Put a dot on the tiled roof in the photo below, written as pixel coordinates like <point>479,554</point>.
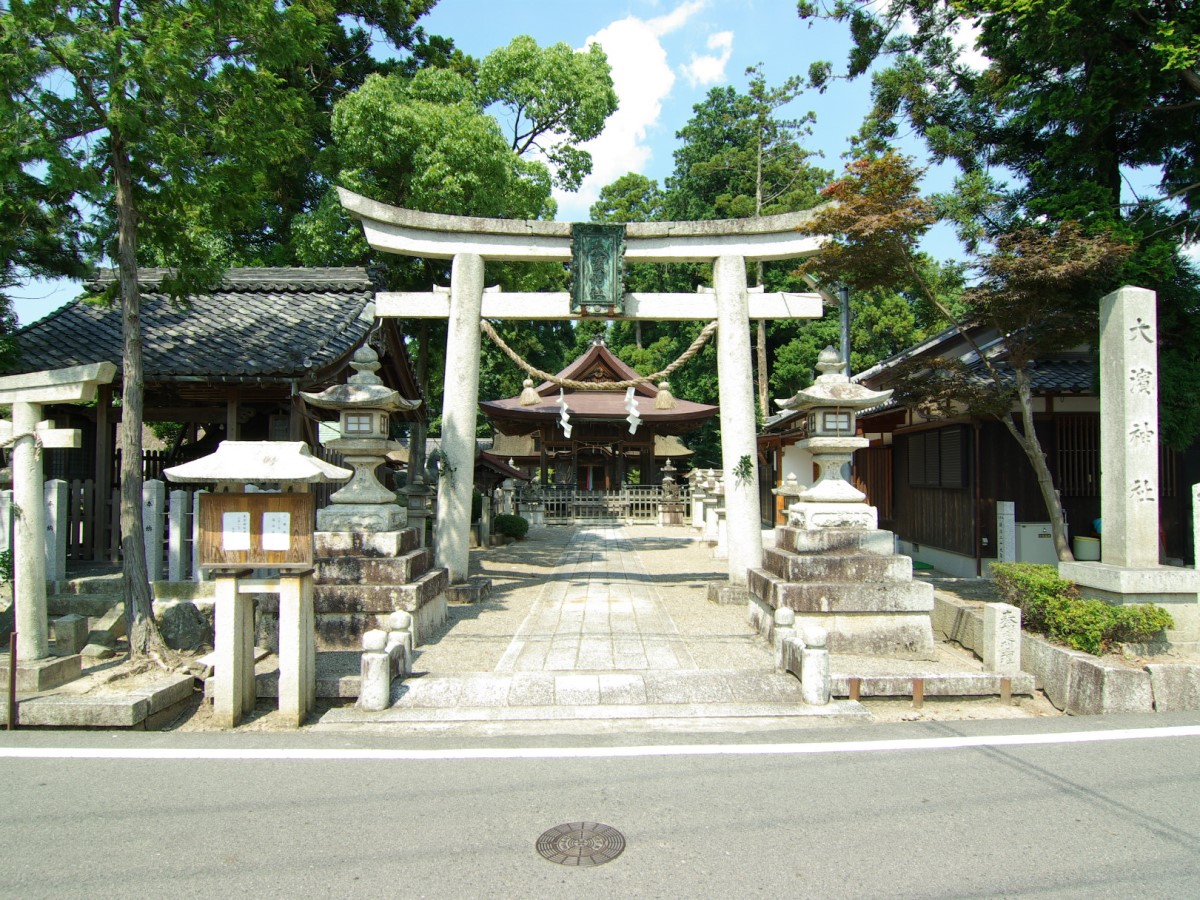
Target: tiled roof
<point>1053,376</point>
<point>266,322</point>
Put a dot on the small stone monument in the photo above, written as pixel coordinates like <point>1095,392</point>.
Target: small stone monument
<point>364,405</point>
<point>1129,570</point>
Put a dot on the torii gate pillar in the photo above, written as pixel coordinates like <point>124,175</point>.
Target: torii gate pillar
<point>468,241</point>
<point>27,394</point>
<point>739,451</point>
<point>460,402</point>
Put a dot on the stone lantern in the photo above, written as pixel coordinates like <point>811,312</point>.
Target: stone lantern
<point>832,404</point>
<point>364,405</point>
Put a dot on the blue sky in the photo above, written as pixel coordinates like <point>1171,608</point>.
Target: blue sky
<point>665,55</point>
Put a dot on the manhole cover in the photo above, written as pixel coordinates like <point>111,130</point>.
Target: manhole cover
<point>581,844</point>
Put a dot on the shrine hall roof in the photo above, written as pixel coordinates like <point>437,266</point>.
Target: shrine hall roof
<point>260,323</point>
<point>598,365</point>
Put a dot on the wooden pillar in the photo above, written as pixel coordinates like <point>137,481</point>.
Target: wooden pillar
<point>231,414</point>
<point>104,467</point>
<point>543,462</point>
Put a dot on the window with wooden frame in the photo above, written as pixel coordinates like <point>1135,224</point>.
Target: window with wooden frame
<point>936,458</point>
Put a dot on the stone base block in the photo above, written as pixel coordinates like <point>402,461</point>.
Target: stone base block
<point>373,570</point>
<point>380,598</point>
<point>70,634</point>
<point>473,590</point>
<point>367,517</point>
<point>1173,588</point>
<point>809,516</point>
<point>37,675</point>
<point>728,594</point>
<point>1096,688</point>
<point>108,628</point>
<point>836,566</point>
<point>964,684</point>
<point>897,635</point>
<point>364,543</point>
<point>1176,687</point>
<point>836,540</point>
<point>842,596</point>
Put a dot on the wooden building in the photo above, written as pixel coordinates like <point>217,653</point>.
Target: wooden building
<point>224,364</point>
<point>936,483</point>
<point>600,454</point>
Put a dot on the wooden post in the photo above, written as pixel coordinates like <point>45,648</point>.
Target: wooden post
<point>231,414</point>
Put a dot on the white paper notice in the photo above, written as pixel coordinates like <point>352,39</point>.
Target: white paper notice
<point>277,527</point>
<point>235,531</point>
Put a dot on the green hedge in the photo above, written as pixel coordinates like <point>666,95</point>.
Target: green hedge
<point>511,526</point>
<point>1052,606</point>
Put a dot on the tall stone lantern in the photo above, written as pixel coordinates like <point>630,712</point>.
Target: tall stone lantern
<point>832,404</point>
<point>364,405</point>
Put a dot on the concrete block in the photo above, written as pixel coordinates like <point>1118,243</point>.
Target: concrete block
<point>814,676</point>
<point>1176,686</point>
<point>955,621</point>
<point>1050,666</point>
<point>98,651</point>
<point>83,711</point>
<point>473,590</point>
<point>1001,638</point>
<point>724,594</point>
<point>69,635</point>
<point>37,675</point>
<point>109,628</point>
<point>375,684</point>
<point>1096,688</point>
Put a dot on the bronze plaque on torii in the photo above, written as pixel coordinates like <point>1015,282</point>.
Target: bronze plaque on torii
<point>597,269</point>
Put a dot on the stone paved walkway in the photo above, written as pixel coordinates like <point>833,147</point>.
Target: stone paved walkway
<point>595,623</point>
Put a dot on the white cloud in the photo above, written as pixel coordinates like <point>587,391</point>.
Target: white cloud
<point>706,70</point>
<point>643,79</point>
<point>965,35</point>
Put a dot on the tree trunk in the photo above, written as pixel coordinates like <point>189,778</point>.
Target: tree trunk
<point>145,640</point>
<point>1037,458</point>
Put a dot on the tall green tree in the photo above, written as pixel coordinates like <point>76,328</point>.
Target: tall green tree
<point>552,99</point>
<point>1035,287</point>
<point>1068,110</point>
<point>140,115</point>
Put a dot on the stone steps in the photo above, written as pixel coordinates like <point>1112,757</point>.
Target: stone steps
<point>85,703</point>
<point>373,570</point>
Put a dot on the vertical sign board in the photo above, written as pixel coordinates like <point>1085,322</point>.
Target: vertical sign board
<point>256,531</point>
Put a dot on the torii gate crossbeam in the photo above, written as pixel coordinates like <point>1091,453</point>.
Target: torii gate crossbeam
<point>469,242</point>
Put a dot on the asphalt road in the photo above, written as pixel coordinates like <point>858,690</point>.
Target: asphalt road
<point>1032,810</point>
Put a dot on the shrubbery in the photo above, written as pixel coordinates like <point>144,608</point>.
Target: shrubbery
<point>510,526</point>
<point>1052,606</point>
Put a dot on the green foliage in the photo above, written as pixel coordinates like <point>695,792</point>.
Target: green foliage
<point>1052,605</point>
<point>511,526</point>
<point>6,566</point>
<point>554,98</point>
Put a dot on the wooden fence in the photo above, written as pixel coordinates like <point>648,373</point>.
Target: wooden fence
<point>632,503</point>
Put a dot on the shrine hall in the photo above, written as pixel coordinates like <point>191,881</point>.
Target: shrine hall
<point>596,451</point>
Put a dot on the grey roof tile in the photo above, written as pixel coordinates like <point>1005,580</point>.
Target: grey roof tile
<point>280,322</point>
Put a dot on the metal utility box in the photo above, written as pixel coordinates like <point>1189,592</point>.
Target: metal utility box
<point>1035,543</point>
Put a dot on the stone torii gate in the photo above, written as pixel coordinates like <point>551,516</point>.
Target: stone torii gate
<point>470,242</point>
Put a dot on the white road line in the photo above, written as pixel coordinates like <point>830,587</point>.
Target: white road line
<point>502,753</point>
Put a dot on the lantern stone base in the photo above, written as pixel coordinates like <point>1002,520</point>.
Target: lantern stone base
<point>810,516</point>
<point>362,577</point>
<point>370,517</point>
<point>850,582</point>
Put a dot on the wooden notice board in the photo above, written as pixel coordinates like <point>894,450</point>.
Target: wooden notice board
<point>263,531</point>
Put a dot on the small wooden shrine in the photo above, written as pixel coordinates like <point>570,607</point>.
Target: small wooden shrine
<point>596,449</point>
